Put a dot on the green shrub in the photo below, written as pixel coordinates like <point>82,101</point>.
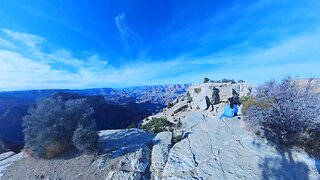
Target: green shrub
<point>156,125</point>
<point>50,125</point>
<point>132,126</point>
<point>169,105</point>
<point>206,80</point>
<point>244,99</point>
<point>248,102</point>
<point>197,90</point>
<point>232,81</point>
<point>176,139</point>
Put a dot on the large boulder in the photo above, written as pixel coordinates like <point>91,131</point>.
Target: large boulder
<point>133,158</point>
<point>6,155</point>
<point>199,92</point>
<point>127,153</point>
<point>160,152</point>
<point>8,158</point>
<point>117,175</point>
<point>111,140</point>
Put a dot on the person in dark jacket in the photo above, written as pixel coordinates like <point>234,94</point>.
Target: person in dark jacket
<point>236,101</point>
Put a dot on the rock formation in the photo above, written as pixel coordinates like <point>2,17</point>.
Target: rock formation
<point>201,147</point>
<point>211,148</point>
<point>195,99</point>
<point>7,159</point>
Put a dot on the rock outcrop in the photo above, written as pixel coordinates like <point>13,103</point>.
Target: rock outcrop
<point>200,146</point>
<point>211,148</point>
<point>195,99</point>
<point>160,153</point>
<point>223,90</point>
<point>8,158</point>
<point>128,153</point>
<point>217,149</point>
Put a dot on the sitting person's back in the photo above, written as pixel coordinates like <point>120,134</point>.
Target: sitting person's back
<point>229,110</point>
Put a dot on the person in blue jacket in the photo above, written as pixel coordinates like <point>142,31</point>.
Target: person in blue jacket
<point>229,110</point>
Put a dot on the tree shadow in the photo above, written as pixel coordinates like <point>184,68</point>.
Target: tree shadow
<point>284,167</point>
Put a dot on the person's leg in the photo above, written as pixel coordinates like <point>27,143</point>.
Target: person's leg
<point>208,105</point>
<point>212,108</point>
<point>207,102</point>
<point>224,115</point>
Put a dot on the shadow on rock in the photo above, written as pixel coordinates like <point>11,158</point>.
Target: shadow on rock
<point>284,167</point>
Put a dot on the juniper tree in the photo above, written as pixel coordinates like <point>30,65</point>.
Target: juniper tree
<point>50,125</point>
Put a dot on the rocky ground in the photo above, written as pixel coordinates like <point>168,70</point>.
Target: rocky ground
<point>70,165</point>
<point>209,148</point>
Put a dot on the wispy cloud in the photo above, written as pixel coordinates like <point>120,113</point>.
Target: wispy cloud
<point>129,39</point>
<point>124,30</point>
<point>29,40</point>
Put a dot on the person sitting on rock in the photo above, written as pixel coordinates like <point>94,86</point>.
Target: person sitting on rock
<point>229,109</point>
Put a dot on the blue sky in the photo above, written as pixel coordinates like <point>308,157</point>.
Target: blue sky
<point>86,44</point>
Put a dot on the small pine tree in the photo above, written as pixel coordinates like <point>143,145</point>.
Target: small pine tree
<point>169,105</point>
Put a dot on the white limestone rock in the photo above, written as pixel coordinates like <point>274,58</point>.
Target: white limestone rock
<point>118,175</point>
<point>160,152</point>
<point>134,158</point>
<point>9,158</point>
<point>111,140</point>
<point>216,149</point>
<point>200,91</point>
<point>128,153</point>
<point>6,155</point>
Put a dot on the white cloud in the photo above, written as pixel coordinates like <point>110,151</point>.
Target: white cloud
<point>28,40</point>
<point>6,44</point>
<point>126,34</point>
<point>23,67</point>
<point>121,23</point>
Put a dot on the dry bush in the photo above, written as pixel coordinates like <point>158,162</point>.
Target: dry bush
<point>251,101</point>
<point>49,128</point>
<point>86,140</point>
<point>286,114</point>
<point>54,150</point>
